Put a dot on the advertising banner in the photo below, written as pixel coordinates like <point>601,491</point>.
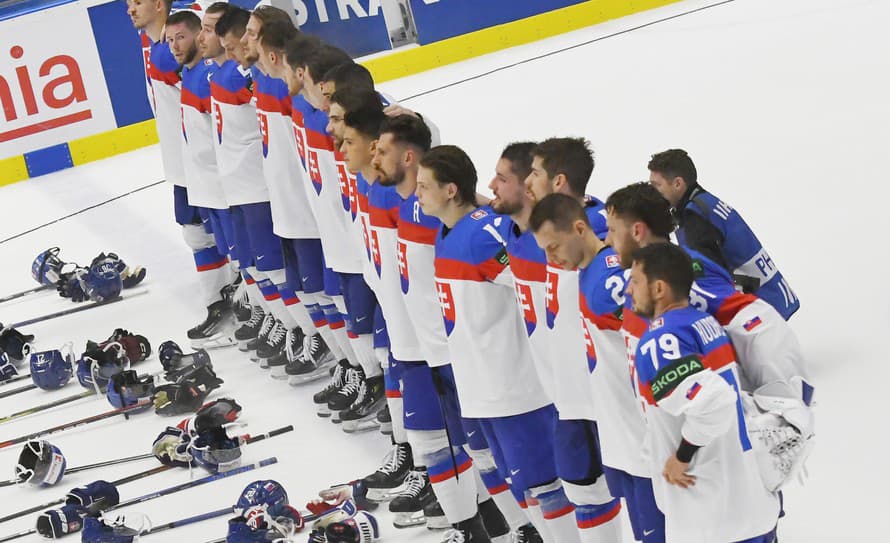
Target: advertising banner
<point>52,88</point>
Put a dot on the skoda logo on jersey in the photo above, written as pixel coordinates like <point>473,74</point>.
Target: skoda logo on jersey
<point>552,298</point>
<point>446,302</point>
<point>403,266</point>
<point>527,305</point>
<point>591,350</point>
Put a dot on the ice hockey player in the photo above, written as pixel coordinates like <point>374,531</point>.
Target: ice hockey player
<point>561,225</point>
<point>709,486</point>
<point>163,84</point>
<point>713,228</point>
<point>553,326</point>
<point>495,375</point>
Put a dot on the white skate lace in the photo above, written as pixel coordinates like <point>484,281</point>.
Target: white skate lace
<point>277,334</point>
<point>289,342</point>
<point>415,482</point>
<point>454,536</point>
<point>353,382</point>
<point>393,460</point>
<point>256,316</point>
<point>337,379</point>
<point>268,323</point>
<point>360,397</point>
<point>311,346</point>
<point>519,535</point>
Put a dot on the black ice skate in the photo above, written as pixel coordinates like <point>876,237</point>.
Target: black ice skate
<point>362,414</point>
<point>388,481</point>
<point>250,329</point>
<point>342,399</point>
<point>216,329</point>
<point>293,347</point>
<point>471,530</point>
<point>338,379</point>
<point>527,534</point>
<point>495,524</point>
<point>385,420</point>
<point>315,362</point>
<point>254,344</point>
<point>273,345</point>
<point>408,506</point>
<point>435,517</point>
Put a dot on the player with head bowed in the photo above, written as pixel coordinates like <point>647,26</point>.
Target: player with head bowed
<point>710,226</point>
<point>562,227</point>
<point>490,354</point>
<point>164,83</point>
<point>704,470</point>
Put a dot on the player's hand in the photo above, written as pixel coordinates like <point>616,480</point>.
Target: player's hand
<point>394,110</point>
<point>674,473</point>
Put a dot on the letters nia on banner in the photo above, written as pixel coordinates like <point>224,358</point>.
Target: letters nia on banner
<point>52,88</point>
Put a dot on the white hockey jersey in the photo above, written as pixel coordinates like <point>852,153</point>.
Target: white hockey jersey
<point>162,72</point>
<point>199,157</point>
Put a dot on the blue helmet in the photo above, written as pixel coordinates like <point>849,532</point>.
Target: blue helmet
<point>103,281</point>
<point>97,366</point>
<point>215,451</point>
<point>51,370</point>
<point>269,493</point>
<point>47,267</point>
<point>126,389</point>
<point>40,463</point>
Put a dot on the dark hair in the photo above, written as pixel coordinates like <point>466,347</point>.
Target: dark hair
<point>641,202</point>
<point>349,75</point>
<point>571,157</point>
<point>560,209</point>
<point>270,14</point>
<point>168,4</point>
<point>187,17</point>
<point>408,129</point>
<point>519,154</point>
<point>298,49</point>
<point>355,99</point>
<point>276,34</point>
<point>234,21</point>
<point>218,7</point>
<point>674,163</point>
<point>450,164</point>
<point>669,263</point>
<point>325,58</point>
<point>366,120</point>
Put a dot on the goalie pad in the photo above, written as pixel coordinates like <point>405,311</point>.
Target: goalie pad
<point>782,431</point>
<point>40,463</point>
<point>56,523</point>
<point>51,370</point>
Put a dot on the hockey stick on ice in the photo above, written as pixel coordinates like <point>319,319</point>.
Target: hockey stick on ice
<point>169,490</point>
<point>26,388</point>
<point>16,379</point>
<point>189,520</point>
<point>80,422</point>
<point>45,406</point>
<point>16,295</point>
<point>79,308</point>
<point>78,469</point>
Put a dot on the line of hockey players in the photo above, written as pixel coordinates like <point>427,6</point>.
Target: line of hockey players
<point>537,357</point>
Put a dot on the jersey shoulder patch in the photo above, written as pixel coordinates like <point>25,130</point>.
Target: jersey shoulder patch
<point>479,214</point>
<point>612,261</point>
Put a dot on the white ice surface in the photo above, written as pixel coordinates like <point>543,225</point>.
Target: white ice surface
<point>783,106</point>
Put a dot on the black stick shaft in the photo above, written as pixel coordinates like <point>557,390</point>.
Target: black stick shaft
<point>16,295</point>
<point>93,466</point>
<point>13,392</point>
<point>191,520</point>
<point>78,309</point>
<point>16,379</point>
<point>194,483</point>
<point>76,423</point>
<point>23,534</point>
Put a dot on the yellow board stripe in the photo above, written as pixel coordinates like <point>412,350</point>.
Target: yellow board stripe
<point>13,170</point>
<point>113,142</point>
<point>496,38</point>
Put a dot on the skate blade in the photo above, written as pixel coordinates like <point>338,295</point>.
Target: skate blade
<point>322,410</point>
<point>277,372</point>
<point>242,346</point>
<point>506,538</point>
<point>409,520</point>
<point>355,426</point>
<point>213,342</point>
<point>297,380</point>
<point>386,428</point>
<point>264,363</point>
<point>382,495</point>
<point>439,522</point>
